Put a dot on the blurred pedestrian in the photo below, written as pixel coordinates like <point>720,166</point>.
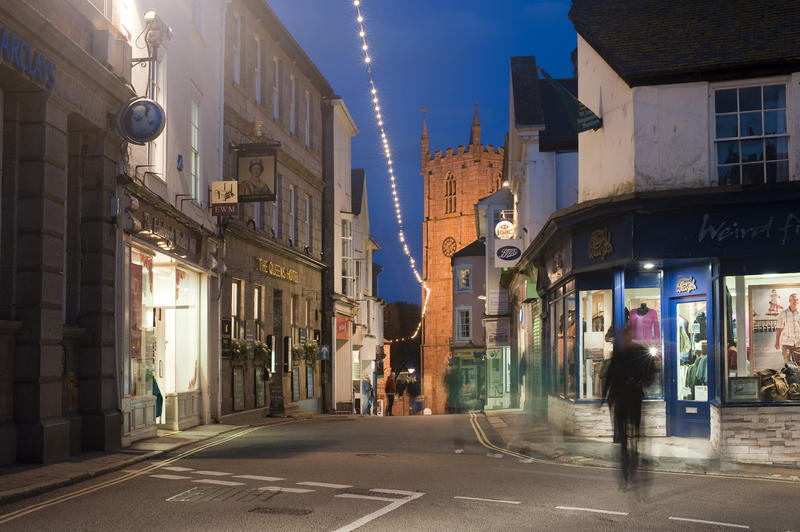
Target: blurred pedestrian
<point>391,389</point>
<point>630,371</point>
<point>452,380</point>
<point>412,388</point>
<point>366,396</point>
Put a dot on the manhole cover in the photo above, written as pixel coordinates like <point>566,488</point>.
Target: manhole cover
<point>282,511</point>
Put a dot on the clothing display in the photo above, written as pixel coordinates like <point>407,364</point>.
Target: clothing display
<point>684,343</point>
<point>645,326</point>
<point>699,327</point>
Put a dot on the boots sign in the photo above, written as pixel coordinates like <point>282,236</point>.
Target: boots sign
<point>507,253</point>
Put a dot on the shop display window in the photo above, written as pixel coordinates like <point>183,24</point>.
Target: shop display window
<point>557,345</point>
<point>164,325</point>
<point>570,324</point>
<point>643,314</point>
<point>596,342</point>
<point>563,345</point>
<point>692,360</point>
<point>762,338</point>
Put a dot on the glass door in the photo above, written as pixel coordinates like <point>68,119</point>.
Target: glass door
<point>689,410</point>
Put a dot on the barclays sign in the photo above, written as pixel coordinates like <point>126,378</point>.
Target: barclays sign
<point>507,253</point>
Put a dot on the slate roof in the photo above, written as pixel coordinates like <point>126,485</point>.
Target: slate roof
<point>357,180</point>
<point>476,249</point>
<point>649,42</point>
<point>537,104</point>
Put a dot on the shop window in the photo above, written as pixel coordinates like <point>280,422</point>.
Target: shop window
<point>762,338</point>
<point>557,345</point>
<point>643,312</point>
<point>464,277</point>
<point>750,132</point>
<point>309,381</point>
<point>237,320</point>
<point>692,344</point>
<point>597,340</point>
<point>570,324</point>
<point>164,325</point>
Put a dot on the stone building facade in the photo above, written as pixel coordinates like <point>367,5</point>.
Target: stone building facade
<point>454,181</point>
<point>271,290</point>
<point>58,236</point>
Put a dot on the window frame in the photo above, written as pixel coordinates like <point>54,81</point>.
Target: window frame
<point>308,243</point>
<point>276,89</point>
<point>308,119</point>
<point>236,46</point>
<point>714,164</point>
<point>450,193</point>
<point>292,104</point>
<point>459,325</point>
<point>258,74</point>
<point>237,289</point>
<point>348,268</point>
<point>457,278</point>
<point>293,214</point>
<point>194,145</point>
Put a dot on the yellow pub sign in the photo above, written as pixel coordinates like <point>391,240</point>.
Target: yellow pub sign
<point>276,270</point>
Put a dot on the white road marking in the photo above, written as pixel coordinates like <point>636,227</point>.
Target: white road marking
<point>579,509</point>
<point>287,490</point>
<point>170,477</point>
<point>393,492</point>
<point>489,500</point>
<point>212,473</point>
<point>256,477</point>
<point>325,485</point>
<point>378,513</point>
<point>708,522</point>
<point>218,482</point>
<point>177,468</point>
<point>368,497</point>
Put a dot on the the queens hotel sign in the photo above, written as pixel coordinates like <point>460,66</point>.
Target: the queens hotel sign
<point>22,55</point>
<point>276,270</point>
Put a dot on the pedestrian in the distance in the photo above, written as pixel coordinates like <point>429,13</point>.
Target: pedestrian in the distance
<point>630,371</point>
<point>413,391</point>
<point>391,389</point>
<point>366,396</point>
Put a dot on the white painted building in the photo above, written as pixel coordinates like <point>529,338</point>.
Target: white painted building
<point>168,306</point>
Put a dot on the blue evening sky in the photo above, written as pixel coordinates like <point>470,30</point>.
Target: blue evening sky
<point>443,55</point>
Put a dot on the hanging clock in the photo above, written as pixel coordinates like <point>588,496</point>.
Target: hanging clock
<point>449,246</point>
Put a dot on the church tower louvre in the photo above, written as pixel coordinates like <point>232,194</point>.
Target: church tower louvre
<point>454,181</point>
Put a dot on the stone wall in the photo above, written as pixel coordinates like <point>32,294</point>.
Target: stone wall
<point>593,420</point>
<point>757,434</point>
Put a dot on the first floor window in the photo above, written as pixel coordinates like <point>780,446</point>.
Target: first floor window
<point>464,324</point>
<point>750,134</point>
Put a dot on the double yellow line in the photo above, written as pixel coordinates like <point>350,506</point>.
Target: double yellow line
<point>127,476</point>
<point>484,440</point>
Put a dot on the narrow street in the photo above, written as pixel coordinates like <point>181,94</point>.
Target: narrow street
<point>403,473</point>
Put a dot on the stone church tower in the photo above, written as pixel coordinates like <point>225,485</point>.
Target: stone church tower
<point>454,182</point>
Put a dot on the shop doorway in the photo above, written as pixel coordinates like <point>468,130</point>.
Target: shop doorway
<point>689,361</point>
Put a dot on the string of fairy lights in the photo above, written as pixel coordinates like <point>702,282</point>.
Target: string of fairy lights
<point>373,94</point>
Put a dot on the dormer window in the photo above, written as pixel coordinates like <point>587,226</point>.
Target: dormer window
<point>750,137</point>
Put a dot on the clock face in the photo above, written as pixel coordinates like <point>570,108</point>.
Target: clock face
<point>449,246</point>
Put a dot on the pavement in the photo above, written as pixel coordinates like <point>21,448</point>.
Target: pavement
<point>517,430</point>
<point>523,433</point>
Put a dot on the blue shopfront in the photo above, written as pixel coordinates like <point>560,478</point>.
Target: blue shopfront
<point>680,270</point>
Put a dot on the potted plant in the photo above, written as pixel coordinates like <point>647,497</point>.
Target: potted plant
<point>238,350</point>
<point>310,350</point>
<point>260,352</point>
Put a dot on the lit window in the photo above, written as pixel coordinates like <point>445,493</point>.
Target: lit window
<point>194,159</point>
<point>308,119</point>
<point>292,104</point>
<point>292,214</point>
<point>257,77</point>
<point>276,89</point>
<point>751,139</point>
<point>464,277</point>
<point>237,48</point>
<point>308,223</point>
<point>347,259</point>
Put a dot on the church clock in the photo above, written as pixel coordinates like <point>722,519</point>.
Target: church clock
<point>449,246</point>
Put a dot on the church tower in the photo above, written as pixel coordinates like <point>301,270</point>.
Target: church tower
<point>453,184</point>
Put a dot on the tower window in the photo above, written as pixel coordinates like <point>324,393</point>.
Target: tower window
<point>450,194</point>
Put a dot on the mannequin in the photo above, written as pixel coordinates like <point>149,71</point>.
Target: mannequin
<point>644,324</point>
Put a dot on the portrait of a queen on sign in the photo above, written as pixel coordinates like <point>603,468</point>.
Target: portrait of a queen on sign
<point>256,176</point>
